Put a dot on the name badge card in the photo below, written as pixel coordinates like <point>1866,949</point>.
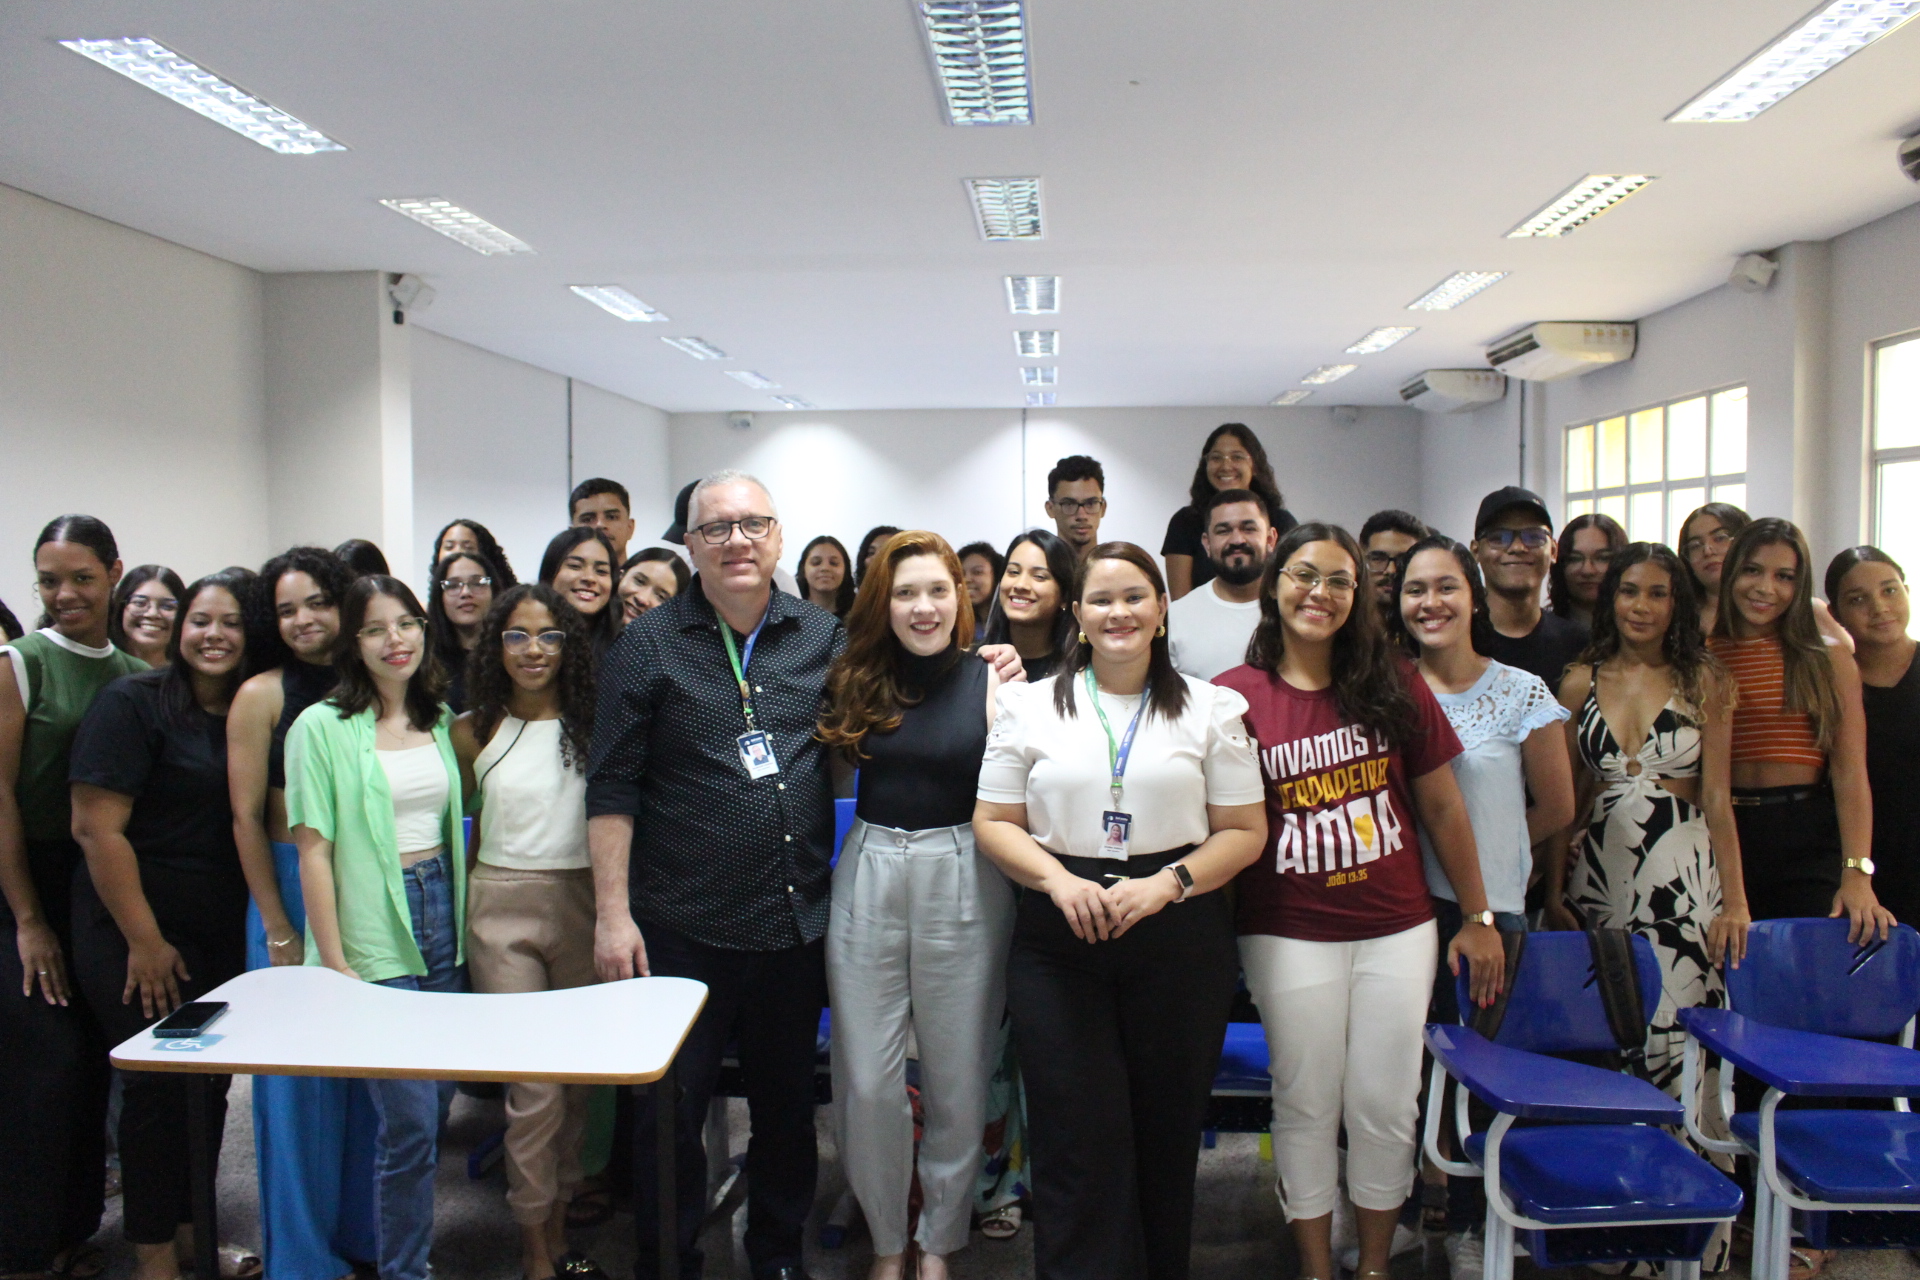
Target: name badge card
<point>1117,827</point>
<point>756,753</point>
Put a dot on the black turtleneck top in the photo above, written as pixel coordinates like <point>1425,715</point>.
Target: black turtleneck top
<point>923,774</point>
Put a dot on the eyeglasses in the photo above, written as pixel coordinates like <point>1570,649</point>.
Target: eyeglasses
<point>1311,579</point>
<point>519,641</point>
<point>463,586</point>
<point>1071,506</point>
<point>405,629</point>
<point>1531,539</point>
<point>147,604</point>
<point>1719,539</point>
<point>1379,559</point>
<point>1236,458</point>
<point>754,528</point>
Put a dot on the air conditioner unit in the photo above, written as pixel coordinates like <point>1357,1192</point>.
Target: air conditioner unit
<point>1562,348</point>
<point>1453,390</point>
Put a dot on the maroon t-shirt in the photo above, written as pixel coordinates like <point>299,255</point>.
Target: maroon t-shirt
<point>1343,858</point>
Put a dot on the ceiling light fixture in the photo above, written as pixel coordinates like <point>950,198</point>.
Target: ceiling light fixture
<point>1580,204</point>
<point>1817,43</point>
<point>698,348</point>
<point>1380,339</point>
<point>1286,398</point>
<point>1327,373</point>
<point>1033,295</point>
<point>979,50</point>
<point>1455,289</point>
<point>1006,208</point>
<point>1042,399</point>
<point>793,402</point>
<point>748,378</point>
<point>160,69</point>
<point>455,223</point>
<point>616,301</point>
<point>1034,343</point>
<point>1039,375</point>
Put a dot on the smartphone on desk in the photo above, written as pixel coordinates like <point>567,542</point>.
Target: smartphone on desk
<point>190,1019</point>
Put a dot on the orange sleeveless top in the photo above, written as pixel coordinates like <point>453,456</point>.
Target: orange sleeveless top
<point>1764,731</point>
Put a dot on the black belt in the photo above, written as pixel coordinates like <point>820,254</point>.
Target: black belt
<point>1107,870</point>
<point>1776,795</point>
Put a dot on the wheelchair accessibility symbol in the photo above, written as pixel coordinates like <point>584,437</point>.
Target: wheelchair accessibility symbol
<point>194,1045</point>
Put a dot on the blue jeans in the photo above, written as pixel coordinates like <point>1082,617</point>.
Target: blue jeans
<point>407,1149</point>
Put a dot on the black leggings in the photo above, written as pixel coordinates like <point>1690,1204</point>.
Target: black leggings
<point>203,915</point>
<point>1789,851</point>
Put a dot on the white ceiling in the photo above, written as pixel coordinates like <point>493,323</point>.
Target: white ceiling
<point>1235,189</point>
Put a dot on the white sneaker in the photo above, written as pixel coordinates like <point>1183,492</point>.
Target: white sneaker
<point>1466,1256</point>
<point>1405,1240</point>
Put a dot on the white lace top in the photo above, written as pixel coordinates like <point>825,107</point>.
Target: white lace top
<point>1491,720</point>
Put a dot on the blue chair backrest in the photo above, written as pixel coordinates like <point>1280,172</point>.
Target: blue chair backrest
<point>1805,976</point>
<point>842,823</point>
<point>1555,1006</point>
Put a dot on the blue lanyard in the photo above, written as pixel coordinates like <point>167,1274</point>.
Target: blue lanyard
<point>1117,753</point>
<point>740,662</point>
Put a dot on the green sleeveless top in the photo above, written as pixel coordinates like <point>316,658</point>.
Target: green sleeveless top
<point>57,679</point>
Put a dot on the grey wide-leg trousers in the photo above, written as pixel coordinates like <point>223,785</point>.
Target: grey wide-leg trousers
<point>919,937</point>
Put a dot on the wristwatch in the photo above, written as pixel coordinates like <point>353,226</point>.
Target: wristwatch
<point>1859,864</point>
<point>1481,917</point>
<point>1182,877</point>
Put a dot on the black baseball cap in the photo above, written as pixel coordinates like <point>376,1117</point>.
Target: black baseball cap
<point>677,531</point>
<point>1501,501</point>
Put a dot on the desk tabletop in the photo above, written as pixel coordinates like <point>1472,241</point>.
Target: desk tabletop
<point>304,1020</point>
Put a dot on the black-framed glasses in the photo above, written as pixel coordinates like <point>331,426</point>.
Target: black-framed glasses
<point>1311,579</point>
<point>455,586</point>
<point>517,641</point>
<point>1531,539</point>
<point>1072,506</point>
<point>754,528</point>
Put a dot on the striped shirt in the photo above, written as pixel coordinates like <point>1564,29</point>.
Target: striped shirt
<point>1763,729</point>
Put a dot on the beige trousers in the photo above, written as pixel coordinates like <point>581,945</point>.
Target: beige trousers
<point>533,931</point>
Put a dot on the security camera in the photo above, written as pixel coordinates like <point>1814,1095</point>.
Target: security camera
<point>1752,272</point>
<point>408,293</point>
<point>1346,414</point>
<point>1910,157</point>
<point>740,420</point>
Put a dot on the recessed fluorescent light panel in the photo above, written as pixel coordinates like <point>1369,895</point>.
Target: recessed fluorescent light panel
<point>1328,373</point>
<point>1825,38</point>
<point>616,301</point>
<point>1455,289</point>
<point>1580,204</point>
<point>698,348</point>
<point>1034,343</point>
<point>1033,295</point>
<point>1006,208</point>
<point>1286,398</point>
<point>792,402</point>
<point>979,50</point>
<point>1039,375</point>
<point>1042,399</point>
<point>1380,339</point>
<point>455,223</point>
<point>748,378</point>
<point>160,69</point>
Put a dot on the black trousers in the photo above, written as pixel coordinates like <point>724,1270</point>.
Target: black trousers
<point>1789,852</point>
<point>1118,1042</point>
<point>767,1003</point>
<point>53,1104</point>
<point>204,916</point>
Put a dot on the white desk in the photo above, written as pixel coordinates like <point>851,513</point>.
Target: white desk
<point>309,1021</point>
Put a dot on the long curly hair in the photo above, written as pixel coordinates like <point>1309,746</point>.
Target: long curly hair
<point>490,688</point>
<point>865,693</point>
<point>1559,595</point>
<point>1263,482</point>
<point>1684,648</point>
<point>265,648</point>
<point>356,691</point>
<point>1369,675</point>
<point>1166,688</point>
<point>1809,671</point>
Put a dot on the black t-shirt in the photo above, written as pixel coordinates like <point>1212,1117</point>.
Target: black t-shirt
<point>925,773</point>
<point>174,765</point>
<point>1183,539</point>
<point>1893,773</point>
<point>1547,652</point>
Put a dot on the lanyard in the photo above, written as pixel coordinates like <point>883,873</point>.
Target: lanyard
<point>740,663</point>
<point>1117,753</point>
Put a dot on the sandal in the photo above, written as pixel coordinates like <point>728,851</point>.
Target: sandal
<point>83,1261</point>
<point>237,1262</point>
<point>1804,1263</point>
<point>1002,1224</point>
<point>589,1207</point>
<point>575,1265</point>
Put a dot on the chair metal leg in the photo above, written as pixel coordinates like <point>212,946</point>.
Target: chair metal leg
<point>1497,1253</point>
<point>1779,1237</point>
<point>1683,1270</point>
<point>1762,1263</point>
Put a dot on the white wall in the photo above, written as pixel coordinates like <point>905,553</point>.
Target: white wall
<point>627,441</point>
<point>131,389</point>
<point>960,472</point>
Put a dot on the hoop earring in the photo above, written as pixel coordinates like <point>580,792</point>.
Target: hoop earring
<point>1161,632</point>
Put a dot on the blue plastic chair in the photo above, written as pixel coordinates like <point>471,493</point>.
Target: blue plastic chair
<point>1593,1176</point>
<point>1807,1008</point>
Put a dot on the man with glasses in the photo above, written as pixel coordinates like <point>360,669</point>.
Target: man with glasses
<point>1077,499</point>
<point>1513,541</point>
<point>1384,538</point>
<point>710,825</point>
<point>1208,628</point>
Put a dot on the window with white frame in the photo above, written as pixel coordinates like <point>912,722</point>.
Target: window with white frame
<point>1896,449</point>
<point>1649,468</point>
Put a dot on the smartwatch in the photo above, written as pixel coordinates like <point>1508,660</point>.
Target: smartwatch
<point>1182,877</point>
<point>1859,864</point>
<point>1480,917</point>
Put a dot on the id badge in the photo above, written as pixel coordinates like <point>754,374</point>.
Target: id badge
<point>756,753</point>
<point>1117,827</point>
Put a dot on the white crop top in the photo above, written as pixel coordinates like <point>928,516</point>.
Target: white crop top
<point>533,808</point>
<point>418,779</point>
